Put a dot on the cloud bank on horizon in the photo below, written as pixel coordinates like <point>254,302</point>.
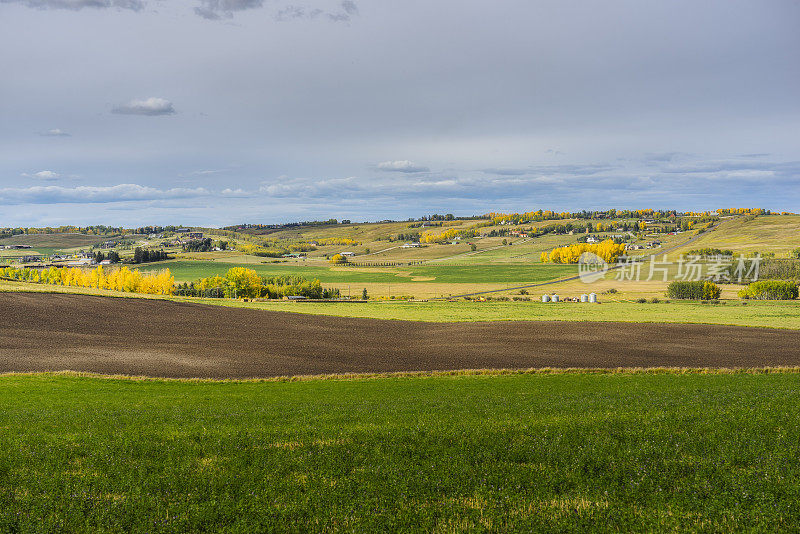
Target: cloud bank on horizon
<point>268,110</point>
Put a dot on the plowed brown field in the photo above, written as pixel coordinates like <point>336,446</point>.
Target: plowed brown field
<point>41,332</point>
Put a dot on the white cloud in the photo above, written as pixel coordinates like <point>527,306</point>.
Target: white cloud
<point>43,175</point>
<point>53,194</point>
<point>55,132</point>
<point>401,166</point>
<point>151,106</point>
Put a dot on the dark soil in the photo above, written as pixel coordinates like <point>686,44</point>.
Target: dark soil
<point>51,332</point>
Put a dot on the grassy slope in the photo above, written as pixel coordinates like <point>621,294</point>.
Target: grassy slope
<point>54,241</point>
<point>768,233</point>
<point>523,453</point>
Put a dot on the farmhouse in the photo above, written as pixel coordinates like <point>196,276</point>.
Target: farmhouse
<point>348,254</point>
<point>410,245</point>
<point>81,262</point>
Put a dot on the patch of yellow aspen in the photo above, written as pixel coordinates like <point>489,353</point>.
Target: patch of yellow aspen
<point>123,279</point>
<point>607,250</point>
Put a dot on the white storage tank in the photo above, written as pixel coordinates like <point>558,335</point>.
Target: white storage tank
<point>554,297</point>
<point>545,298</point>
<point>584,298</point>
<point>592,297</point>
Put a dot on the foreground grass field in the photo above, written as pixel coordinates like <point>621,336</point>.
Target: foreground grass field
<point>579,452</point>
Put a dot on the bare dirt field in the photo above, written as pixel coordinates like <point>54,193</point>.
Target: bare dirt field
<point>51,332</point>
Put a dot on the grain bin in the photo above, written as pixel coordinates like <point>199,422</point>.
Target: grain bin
<point>592,297</point>
<point>554,297</point>
<point>545,298</point>
<point>584,298</point>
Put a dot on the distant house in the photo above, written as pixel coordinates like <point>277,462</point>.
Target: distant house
<point>295,297</point>
<point>82,262</point>
<point>195,235</point>
<point>348,254</point>
<point>410,245</point>
<point>31,259</point>
<point>592,239</point>
<point>105,262</point>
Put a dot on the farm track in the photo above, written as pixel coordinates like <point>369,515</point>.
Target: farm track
<point>51,332</point>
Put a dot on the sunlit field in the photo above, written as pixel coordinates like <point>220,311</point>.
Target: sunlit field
<point>631,452</point>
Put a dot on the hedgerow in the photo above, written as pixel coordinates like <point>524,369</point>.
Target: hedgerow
<point>695,290</point>
<point>770,290</point>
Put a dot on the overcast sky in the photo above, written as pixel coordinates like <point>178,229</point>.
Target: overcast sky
<point>214,112</point>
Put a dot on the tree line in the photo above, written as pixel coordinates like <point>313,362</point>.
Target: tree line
<point>240,282</point>
<point>124,279</point>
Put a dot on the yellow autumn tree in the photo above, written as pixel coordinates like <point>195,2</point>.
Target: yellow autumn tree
<point>607,250</point>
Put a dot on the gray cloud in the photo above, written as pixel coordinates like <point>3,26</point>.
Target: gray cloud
<point>347,10</point>
<point>401,166</point>
<point>54,132</point>
<point>216,9</point>
<point>506,172</point>
<point>53,194</point>
<point>208,9</point>
<point>151,106</point>
<point>485,114</point>
<point>77,5</point>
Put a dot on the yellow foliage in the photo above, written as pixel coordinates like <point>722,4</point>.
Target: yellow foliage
<point>122,279</point>
<point>607,250</point>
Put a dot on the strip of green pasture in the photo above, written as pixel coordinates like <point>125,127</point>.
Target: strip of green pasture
<point>522,453</point>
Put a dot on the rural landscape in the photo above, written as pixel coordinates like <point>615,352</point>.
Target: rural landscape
<point>337,266</point>
<point>404,375</point>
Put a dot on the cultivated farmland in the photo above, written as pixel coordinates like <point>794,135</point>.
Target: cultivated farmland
<point>173,339</point>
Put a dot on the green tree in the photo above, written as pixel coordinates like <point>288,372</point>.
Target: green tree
<point>364,295</point>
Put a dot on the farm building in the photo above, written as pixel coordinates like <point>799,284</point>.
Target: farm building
<point>81,262</point>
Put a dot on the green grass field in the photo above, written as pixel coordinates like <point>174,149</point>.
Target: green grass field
<point>190,270</point>
<point>771,314</point>
<point>561,452</point>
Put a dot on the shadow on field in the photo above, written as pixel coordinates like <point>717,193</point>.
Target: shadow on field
<point>52,332</point>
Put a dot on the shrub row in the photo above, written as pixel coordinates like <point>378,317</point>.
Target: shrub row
<point>695,290</point>
<point>770,290</point>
